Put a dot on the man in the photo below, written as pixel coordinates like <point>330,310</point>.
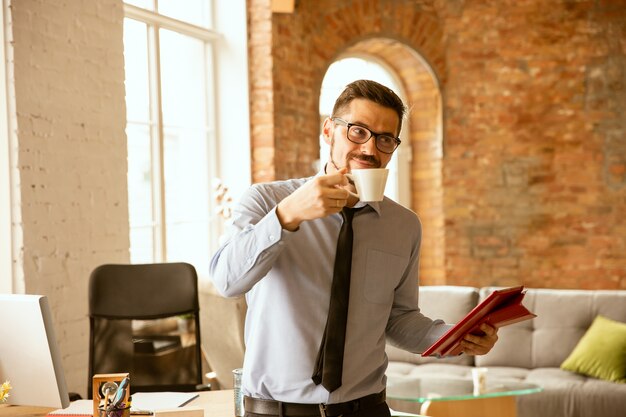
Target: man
<point>282,256</point>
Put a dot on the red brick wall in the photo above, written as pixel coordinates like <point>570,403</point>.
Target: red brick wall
<point>536,144</point>
<point>531,185</point>
<point>261,94</point>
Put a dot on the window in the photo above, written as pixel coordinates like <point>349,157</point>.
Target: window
<point>169,53</point>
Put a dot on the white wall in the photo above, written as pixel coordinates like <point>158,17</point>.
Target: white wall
<point>6,269</point>
<point>66,79</point>
<point>66,122</point>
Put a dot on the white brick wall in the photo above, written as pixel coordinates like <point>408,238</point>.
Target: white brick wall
<point>69,120</point>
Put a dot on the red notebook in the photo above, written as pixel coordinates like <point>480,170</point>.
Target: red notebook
<point>500,308</point>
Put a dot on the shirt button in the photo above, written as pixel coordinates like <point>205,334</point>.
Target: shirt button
<point>271,238</point>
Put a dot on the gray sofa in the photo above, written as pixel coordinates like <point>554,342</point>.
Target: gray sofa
<point>530,351</point>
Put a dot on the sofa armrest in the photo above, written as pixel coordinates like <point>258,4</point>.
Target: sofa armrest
<point>222,326</point>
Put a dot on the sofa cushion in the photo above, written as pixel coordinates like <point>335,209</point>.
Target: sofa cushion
<point>449,303</point>
<point>566,394</point>
<point>601,353</point>
<point>563,316</point>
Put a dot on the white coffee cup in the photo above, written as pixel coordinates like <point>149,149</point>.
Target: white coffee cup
<point>370,183</point>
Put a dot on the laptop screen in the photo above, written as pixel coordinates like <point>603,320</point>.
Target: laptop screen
<point>29,356</point>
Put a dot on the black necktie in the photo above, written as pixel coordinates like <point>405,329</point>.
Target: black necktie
<point>329,363</point>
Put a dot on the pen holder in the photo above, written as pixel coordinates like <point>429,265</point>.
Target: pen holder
<point>98,382</point>
<point>122,412</point>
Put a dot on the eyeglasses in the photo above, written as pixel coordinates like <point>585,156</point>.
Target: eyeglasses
<point>360,134</point>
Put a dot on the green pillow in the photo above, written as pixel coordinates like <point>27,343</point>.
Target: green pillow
<point>601,352</point>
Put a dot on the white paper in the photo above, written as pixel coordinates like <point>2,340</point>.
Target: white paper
<point>145,401</point>
<point>76,408</point>
<point>155,401</point>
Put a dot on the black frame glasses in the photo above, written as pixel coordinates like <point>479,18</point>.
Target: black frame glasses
<point>356,133</point>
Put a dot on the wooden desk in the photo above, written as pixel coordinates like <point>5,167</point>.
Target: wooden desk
<point>215,404</point>
<point>23,411</point>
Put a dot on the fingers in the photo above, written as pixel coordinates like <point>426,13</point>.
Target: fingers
<point>329,187</point>
<point>488,330</point>
<point>338,203</point>
<point>332,188</point>
<point>317,198</point>
<point>334,179</point>
<point>474,344</point>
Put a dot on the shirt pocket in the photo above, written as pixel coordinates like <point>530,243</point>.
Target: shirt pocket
<point>383,272</point>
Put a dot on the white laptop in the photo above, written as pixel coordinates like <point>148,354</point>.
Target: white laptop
<point>29,356</point>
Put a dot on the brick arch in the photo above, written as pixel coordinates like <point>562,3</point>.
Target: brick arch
<point>424,124</point>
<point>285,89</point>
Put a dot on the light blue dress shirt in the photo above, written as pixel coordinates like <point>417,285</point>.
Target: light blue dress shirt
<point>286,277</point>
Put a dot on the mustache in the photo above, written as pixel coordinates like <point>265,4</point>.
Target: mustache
<point>371,159</point>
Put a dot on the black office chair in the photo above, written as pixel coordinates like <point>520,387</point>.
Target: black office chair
<point>134,311</point>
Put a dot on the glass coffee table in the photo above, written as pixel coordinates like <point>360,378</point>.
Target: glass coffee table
<point>454,396</point>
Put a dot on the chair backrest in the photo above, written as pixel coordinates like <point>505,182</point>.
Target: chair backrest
<point>144,319</point>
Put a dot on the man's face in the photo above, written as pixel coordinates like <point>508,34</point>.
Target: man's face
<point>344,153</point>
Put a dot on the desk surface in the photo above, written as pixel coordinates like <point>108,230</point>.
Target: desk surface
<point>215,404</point>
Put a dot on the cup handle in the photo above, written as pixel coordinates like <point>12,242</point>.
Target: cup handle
<point>351,178</point>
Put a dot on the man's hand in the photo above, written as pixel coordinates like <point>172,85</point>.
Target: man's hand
<point>317,198</point>
<point>479,345</point>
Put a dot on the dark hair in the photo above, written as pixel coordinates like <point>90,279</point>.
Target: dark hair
<point>373,91</point>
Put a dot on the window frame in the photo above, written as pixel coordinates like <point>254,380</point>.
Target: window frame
<point>7,138</point>
<point>223,48</point>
